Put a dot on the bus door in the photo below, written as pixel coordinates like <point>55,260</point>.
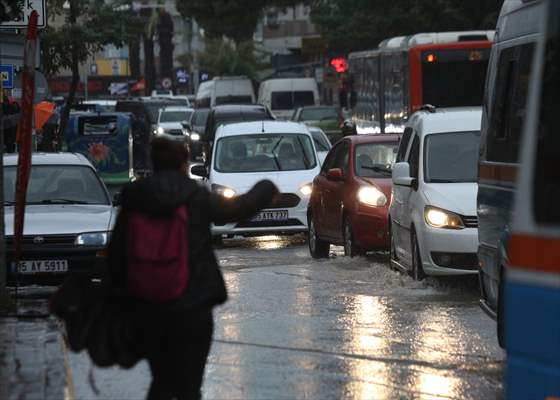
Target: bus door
<point>532,297</point>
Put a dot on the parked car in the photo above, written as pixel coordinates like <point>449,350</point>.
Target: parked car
<point>245,153</point>
<point>170,120</point>
<point>68,218</point>
<point>351,196</point>
<point>433,210</point>
<point>284,95</point>
<point>322,143</point>
<point>328,118</point>
<point>225,90</point>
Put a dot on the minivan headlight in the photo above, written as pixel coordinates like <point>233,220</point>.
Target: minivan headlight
<point>92,239</point>
<point>438,218</point>
<point>225,191</point>
<point>372,196</point>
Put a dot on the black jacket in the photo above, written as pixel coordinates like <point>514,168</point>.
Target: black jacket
<point>160,195</point>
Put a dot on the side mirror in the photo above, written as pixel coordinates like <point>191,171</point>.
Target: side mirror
<point>199,170</point>
<point>401,175</point>
<point>117,199</point>
<point>335,174</point>
<point>186,125</point>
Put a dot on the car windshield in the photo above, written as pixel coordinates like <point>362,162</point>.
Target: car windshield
<point>200,117</point>
<point>175,116</point>
<point>291,100</point>
<point>265,153</point>
<point>234,100</point>
<point>319,114</point>
<point>321,143</point>
<point>374,160</point>
<point>451,157</point>
<point>58,184</point>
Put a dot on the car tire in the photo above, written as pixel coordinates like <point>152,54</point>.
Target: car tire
<point>350,248</point>
<point>417,269</point>
<point>500,317</point>
<point>317,248</point>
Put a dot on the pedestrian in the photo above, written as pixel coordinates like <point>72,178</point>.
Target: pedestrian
<point>175,334</point>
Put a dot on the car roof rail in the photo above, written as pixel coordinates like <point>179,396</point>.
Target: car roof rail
<point>428,107</point>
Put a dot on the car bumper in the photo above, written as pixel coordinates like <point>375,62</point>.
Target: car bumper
<point>88,262</point>
<point>460,245</point>
<point>371,228</point>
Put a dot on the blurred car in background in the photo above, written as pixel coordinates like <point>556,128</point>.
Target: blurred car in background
<point>195,129</point>
<point>170,120</point>
<point>328,118</point>
<point>225,90</point>
<point>284,95</point>
<point>227,114</point>
<point>322,142</point>
<point>349,205</point>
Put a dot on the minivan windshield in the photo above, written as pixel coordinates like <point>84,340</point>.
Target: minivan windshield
<point>374,160</point>
<point>451,157</point>
<point>290,100</point>
<point>265,153</point>
<point>58,184</point>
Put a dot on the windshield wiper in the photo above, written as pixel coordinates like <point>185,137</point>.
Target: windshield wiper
<point>62,201</point>
<point>305,159</point>
<point>377,169</point>
<point>274,154</point>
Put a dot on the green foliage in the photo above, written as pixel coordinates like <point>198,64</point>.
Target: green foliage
<point>222,57</point>
<point>10,9</point>
<point>362,24</point>
<point>234,19</point>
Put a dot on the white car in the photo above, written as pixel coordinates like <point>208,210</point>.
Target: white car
<point>433,209</point>
<point>170,119</point>
<point>283,152</point>
<point>68,218</point>
<point>322,142</point>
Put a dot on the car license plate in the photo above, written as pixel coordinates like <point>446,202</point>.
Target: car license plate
<point>38,266</point>
<point>276,215</point>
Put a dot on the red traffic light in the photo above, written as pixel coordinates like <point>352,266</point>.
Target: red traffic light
<point>339,64</point>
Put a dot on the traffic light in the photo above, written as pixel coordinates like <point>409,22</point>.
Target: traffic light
<point>339,64</point>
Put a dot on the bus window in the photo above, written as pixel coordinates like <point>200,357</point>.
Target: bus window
<point>547,171</point>
<point>454,78</point>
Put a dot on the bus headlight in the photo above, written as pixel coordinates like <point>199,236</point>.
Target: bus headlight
<point>438,218</point>
<point>372,196</point>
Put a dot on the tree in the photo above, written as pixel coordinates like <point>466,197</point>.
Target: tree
<point>224,57</point>
<point>234,19</point>
<point>10,9</point>
<point>367,22</point>
<point>165,39</point>
<point>88,26</point>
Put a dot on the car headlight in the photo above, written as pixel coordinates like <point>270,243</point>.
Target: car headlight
<point>372,196</point>
<point>225,191</point>
<point>160,130</point>
<point>306,190</point>
<point>92,239</point>
<point>439,218</point>
<point>195,137</point>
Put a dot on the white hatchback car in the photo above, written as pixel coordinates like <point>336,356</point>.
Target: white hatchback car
<point>433,209</point>
<point>283,152</point>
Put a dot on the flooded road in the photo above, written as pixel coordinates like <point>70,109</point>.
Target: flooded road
<point>339,328</point>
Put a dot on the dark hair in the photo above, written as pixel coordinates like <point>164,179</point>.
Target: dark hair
<point>168,154</point>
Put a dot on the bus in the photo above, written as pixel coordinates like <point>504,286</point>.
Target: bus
<point>532,289</point>
<point>391,82</point>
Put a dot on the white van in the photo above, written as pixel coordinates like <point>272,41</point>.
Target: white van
<point>225,90</point>
<point>283,96</point>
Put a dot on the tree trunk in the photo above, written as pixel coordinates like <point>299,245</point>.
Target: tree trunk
<point>149,63</point>
<point>134,58</point>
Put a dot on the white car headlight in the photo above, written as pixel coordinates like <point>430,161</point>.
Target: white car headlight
<point>438,218</point>
<point>92,239</point>
<point>225,191</point>
<point>195,137</point>
<point>160,130</point>
<point>372,196</point>
<point>306,190</point>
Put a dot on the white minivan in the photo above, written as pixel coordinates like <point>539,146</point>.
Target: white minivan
<point>285,95</point>
<point>433,221</point>
<point>225,90</point>
<point>283,152</point>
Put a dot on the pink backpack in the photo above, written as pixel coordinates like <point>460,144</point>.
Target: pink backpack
<point>158,256</point>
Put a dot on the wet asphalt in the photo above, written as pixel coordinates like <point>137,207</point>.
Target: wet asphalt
<point>297,328</point>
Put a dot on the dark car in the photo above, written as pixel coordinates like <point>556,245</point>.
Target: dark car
<point>350,201</point>
<point>328,118</point>
<point>226,114</point>
<point>145,112</point>
<point>195,128</point>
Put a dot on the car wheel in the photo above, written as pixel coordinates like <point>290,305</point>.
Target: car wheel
<point>500,318</point>
<point>317,247</point>
<point>350,248</point>
<point>417,269</point>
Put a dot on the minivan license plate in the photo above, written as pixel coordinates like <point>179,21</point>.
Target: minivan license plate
<point>41,266</point>
<point>276,215</point>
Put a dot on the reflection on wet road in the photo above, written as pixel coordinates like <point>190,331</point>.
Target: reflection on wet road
<point>340,328</point>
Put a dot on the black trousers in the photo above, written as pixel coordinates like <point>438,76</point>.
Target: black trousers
<point>177,345</point>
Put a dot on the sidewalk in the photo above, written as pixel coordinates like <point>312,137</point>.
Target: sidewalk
<point>33,362</point>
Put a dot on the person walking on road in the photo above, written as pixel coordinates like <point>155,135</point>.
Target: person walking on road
<point>173,321</point>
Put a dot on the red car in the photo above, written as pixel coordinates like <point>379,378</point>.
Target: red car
<point>350,201</point>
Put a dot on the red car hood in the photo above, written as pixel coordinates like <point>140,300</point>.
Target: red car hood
<point>383,184</point>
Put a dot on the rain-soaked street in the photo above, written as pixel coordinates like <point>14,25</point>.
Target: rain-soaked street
<point>342,328</point>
